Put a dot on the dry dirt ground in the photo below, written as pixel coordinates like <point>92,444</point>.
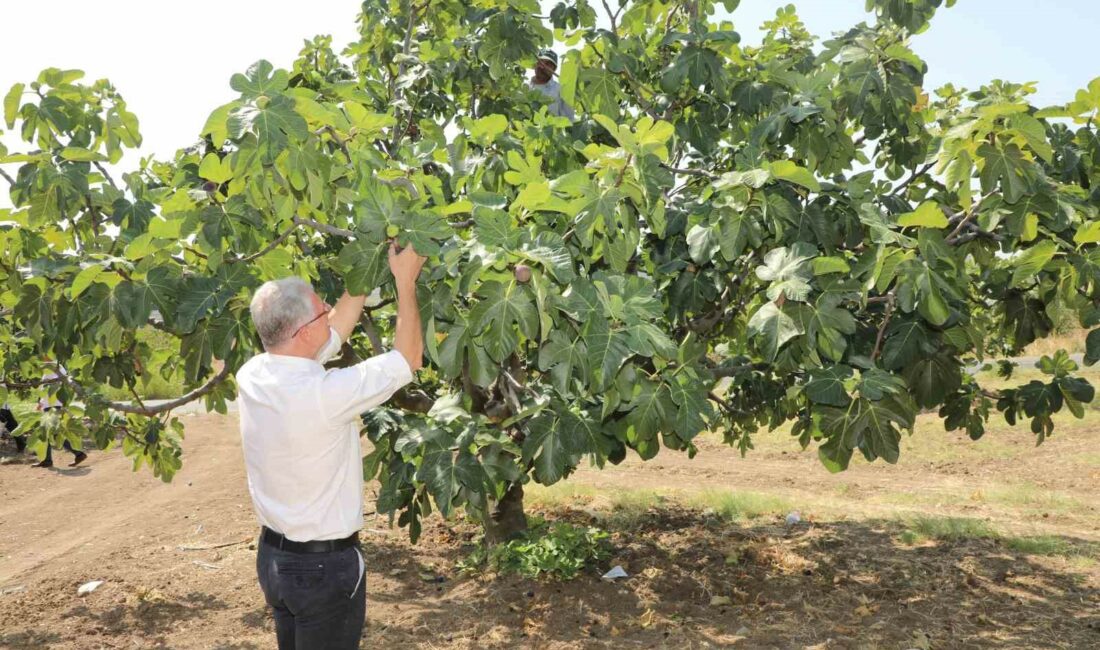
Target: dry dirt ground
<point>850,575</point>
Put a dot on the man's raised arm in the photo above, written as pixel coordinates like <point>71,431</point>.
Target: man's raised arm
<point>409,338</point>
<point>345,314</point>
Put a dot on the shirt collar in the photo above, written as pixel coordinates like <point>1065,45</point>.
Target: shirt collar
<point>287,360</point>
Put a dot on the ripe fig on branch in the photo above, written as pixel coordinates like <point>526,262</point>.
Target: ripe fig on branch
<point>523,273</point>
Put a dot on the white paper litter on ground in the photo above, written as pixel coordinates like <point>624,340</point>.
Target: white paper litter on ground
<point>616,572</point>
<point>89,587</point>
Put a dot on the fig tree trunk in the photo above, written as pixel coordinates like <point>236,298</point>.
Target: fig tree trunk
<point>506,519</point>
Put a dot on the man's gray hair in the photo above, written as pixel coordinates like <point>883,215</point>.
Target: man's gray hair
<point>279,308</point>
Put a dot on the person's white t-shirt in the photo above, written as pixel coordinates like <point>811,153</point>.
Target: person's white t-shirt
<point>552,90</point>
<point>300,433</point>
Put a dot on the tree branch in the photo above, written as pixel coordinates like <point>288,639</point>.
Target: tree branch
<point>384,303</point>
<point>340,142</point>
<point>395,92</point>
<point>413,11</point>
<point>613,17</point>
<point>123,407</point>
<point>622,172</point>
<point>976,233</point>
<point>27,385</point>
<point>890,303</point>
<point>103,170</point>
<point>323,227</point>
<point>414,401</point>
<point>725,370</point>
<point>510,393</point>
<point>194,252</point>
<point>372,333</point>
<point>266,249</point>
<point>967,216</point>
<point>398,136</point>
<point>723,403</point>
<point>704,323</point>
<point>917,173</point>
<point>690,172</point>
<point>516,384</point>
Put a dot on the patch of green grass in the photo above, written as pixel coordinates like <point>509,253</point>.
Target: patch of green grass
<point>910,537</point>
<point>922,498</point>
<point>930,442</point>
<point>1032,497</point>
<point>558,494</point>
<point>628,508</point>
<point>948,529</point>
<point>739,505</point>
<point>1022,374</point>
<point>1050,545</point>
<point>1092,459</point>
<point>845,489</point>
<point>954,529</point>
<point>1084,562</point>
<point>559,551</point>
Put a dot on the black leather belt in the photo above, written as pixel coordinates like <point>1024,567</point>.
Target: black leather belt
<point>277,540</point>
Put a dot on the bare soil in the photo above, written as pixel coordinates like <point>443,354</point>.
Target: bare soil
<point>841,578</point>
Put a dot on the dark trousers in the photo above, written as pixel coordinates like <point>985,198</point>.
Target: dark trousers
<point>49,451</point>
<point>318,600</point>
<point>11,425</point>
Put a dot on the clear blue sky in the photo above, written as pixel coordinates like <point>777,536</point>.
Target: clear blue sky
<point>1053,42</point>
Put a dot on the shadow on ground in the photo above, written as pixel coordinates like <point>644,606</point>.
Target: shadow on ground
<point>835,585</point>
<point>28,640</point>
<point>151,618</point>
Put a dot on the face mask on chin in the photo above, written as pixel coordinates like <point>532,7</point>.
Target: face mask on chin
<point>330,349</point>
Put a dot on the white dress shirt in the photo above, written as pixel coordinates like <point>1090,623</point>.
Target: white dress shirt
<point>300,432</point>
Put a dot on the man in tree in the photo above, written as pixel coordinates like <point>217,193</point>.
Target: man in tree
<point>300,433</point>
<point>543,81</point>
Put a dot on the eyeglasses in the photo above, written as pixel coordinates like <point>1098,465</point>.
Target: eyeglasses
<point>324,312</point>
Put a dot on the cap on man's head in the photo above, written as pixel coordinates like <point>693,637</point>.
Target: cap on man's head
<point>550,56</point>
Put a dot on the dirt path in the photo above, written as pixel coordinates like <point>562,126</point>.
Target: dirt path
<point>841,582</point>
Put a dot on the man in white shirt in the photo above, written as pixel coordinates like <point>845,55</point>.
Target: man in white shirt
<point>300,434</point>
<point>543,81</point>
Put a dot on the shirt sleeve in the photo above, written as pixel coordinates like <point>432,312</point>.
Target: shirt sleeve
<point>567,110</point>
<point>348,392</point>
